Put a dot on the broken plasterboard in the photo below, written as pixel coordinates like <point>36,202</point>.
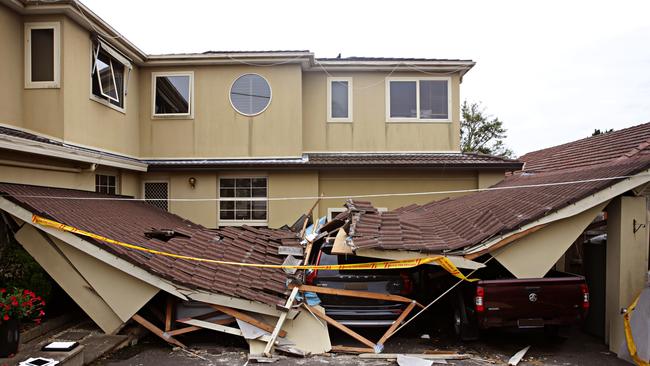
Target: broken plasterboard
<point>287,250</point>
<point>340,246</point>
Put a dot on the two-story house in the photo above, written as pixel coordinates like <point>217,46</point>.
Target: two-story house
<point>224,138</point>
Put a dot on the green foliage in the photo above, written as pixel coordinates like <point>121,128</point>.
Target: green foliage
<point>597,131</point>
<point>482,133</point>
<point>17,268</point>
<point>20,304</point>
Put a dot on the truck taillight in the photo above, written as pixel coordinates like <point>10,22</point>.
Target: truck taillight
<point>312,273</point>
<point>585,296</point>
<point>407,284</point>
<point>478,300</point>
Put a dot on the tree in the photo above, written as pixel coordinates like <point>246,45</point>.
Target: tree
<point>597,131</point>
<point>482,133</point>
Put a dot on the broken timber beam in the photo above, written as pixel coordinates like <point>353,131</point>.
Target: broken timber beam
<point>168,313</point>
<point>157,331</point>
<point>346,349</point>
<point>278,326</point>
<point>341,327</point>
<point>248,319</point>
<point>504,242</point>
<point>396,323</point>
<point>354,293</point>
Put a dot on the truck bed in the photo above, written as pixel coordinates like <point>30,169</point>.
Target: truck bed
<point>558,299</point>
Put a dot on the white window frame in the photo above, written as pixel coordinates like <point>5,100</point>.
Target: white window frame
<point>254,114</point>
<point>102,101</point>
<point>333,211</point>
<point>242,222</point>
<point>107,174</point>
<point>417,98</point>
<point>56,83</point>
<point>190,114</point>
<point>144,198</point>
<point>349,118</point>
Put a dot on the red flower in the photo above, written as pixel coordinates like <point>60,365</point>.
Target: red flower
<point>2,290</point>
<point>41,313</point>
<point>37,321</point>
<point>42,303</point>
<point>6,317</point>
<point>14,303</point>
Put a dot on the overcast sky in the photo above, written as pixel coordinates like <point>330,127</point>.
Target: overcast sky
<point>553,71</point>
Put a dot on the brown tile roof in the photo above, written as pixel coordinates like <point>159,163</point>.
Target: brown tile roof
<point>347,160</point>
<point>127,221</point>
<point>468,220</point>
<point>590,151</point>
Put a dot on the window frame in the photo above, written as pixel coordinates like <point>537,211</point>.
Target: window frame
<point>56,83</point>
<point>233,105</point>
<point>144,198</point>
<point>126,75</point>
<point>190,114</point>
<point>349,118</point>
<point>236,222</point>
<point>117,182</point>
<point>417,118</point>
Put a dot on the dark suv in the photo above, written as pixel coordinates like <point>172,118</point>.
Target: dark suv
<point>357,312</point>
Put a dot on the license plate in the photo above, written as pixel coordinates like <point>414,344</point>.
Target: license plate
<point>530,323</point>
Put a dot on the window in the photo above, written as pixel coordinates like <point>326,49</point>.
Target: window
<point>243,200</point>
<point>42,55</point>
<point>109,75</point>
<point>172,94</point>
<point>105,184</point>
<point>339,99</point>
<point>157,194</point>
<point>250,94</point>
<point>418,99</point>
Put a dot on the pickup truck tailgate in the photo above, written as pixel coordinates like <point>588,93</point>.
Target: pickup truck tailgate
<point>532,303</point>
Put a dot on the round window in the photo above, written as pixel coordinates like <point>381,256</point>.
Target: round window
<point>250,94</point>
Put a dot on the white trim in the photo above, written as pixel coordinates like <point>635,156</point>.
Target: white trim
<point>97,98</point>
<point>190,113</point>
<point>236,222</point>
<point>115,175</point>
<point>267,105</point>
<point>578,207</point>
<point>417,119</point>
<point>350,116</point>
<point>40,148</point>
<point>56,83</point>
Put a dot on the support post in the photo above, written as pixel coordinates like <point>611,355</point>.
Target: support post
<point>278,326</point>
<point>341,327</point>
<point>397,323</point>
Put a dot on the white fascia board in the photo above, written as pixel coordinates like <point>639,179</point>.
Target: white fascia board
<point>94,251</point>
<point>40,148</point>
<point>573,209</point>
<point>235,302</point>
<point>458,261</point>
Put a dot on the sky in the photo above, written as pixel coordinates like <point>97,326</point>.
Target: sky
<point>552,71</point>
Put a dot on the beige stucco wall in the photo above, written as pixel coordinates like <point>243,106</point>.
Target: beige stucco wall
<point>489,178</point>
<point>217,130</point>
<point>369,130</point>
<point>347,183</point>
<point>11,72</point>
<point>291,184</point>
<point>88,122</point>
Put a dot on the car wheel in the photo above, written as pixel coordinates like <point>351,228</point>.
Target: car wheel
<point>458,323</point>
<point>464,328</point>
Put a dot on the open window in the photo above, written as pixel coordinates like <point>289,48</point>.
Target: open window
<point>425,99</point>
<point>42,55</point>
<point>109,74</point>
<point>339,99</point>
<point>172,94</point>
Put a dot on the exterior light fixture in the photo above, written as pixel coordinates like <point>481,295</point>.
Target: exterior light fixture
<point>192,182</point>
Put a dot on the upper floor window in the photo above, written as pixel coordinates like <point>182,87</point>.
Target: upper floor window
<point>418,99</point>
<point>105,184</point>
<point>109,74</point>
<point>339,99</point>
<point>42,55</point>
<point>172,94</point>
<point>250,94</point>
<point>243,200</point>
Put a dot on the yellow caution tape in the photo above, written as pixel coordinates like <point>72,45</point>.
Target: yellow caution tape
<point>631,346</point>
<point>406,263</point>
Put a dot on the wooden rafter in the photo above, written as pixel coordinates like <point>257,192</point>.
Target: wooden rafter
<point>248,319</point>
<point>157,331</point>
<point>354,293</point>
<point>340,326</point>
<point>396,323</point>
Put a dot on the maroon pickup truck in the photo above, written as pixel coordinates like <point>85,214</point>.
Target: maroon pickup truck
<point>559,299</point>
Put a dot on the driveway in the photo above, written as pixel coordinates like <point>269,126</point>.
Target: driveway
<point>495,348</point>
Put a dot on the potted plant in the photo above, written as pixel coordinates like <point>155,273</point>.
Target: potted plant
<point>16,305</point>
